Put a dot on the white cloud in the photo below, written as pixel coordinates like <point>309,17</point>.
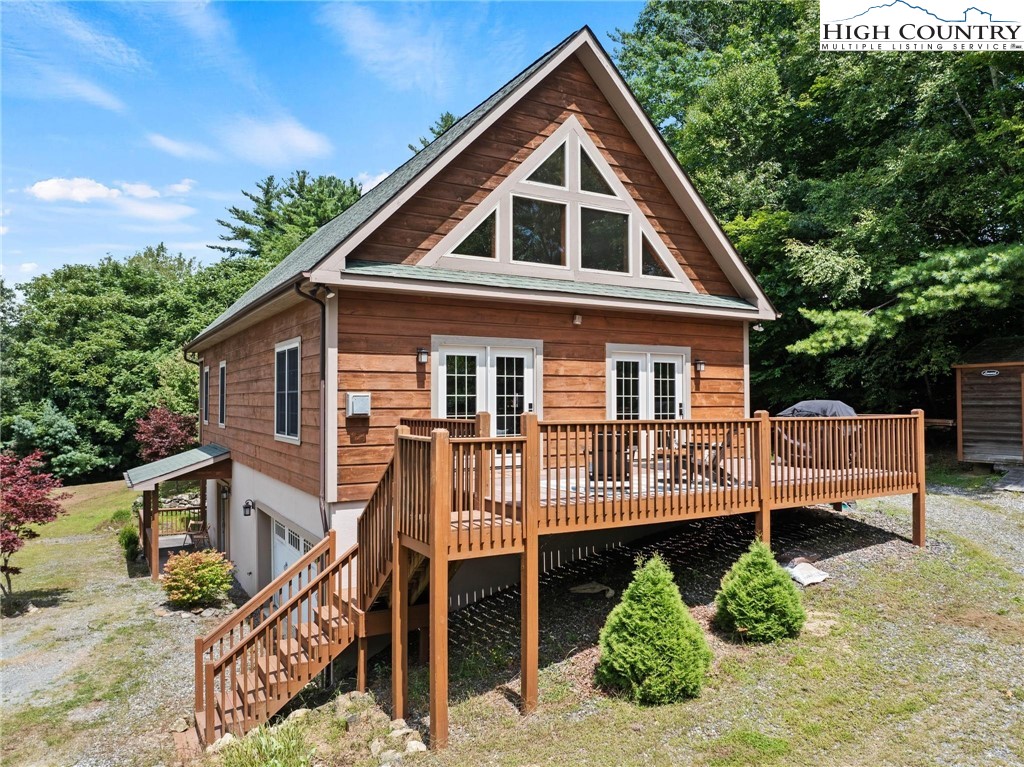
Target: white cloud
<point>273,143</point>
<point>369,180</point>
<point>215,42</point>
<point>182,149</point>
<point>73,189</point>
<point>4,229</point>
<point>184,186</point>
<point>407,48</point>
<point>56,83</point>
<point>136,201</point>
<point>28,267</point>
<point>153,211</point>
<point>52,53</point>
<point>142,191</point>
<point>99,45</point>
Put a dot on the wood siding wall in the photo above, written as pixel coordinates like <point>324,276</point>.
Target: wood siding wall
<point>249,425</point>
<point>420,224</point>
<point>378,335</point>
<point>991,414</point>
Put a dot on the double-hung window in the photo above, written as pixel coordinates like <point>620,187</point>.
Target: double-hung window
<point>204,394</point>
<point>287,377</point>
<point>647,383</point>
<point>222,394</point>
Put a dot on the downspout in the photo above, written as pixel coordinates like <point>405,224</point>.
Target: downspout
<point>323,400</point>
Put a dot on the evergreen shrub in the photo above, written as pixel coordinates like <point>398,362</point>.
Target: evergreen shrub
<point>651,647</point>
<point>758,600</point>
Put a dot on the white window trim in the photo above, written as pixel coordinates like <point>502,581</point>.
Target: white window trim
<point>437,343</point>
<point>222,397</point>
<point>204,405</point>
<point>499,201</point>
<point>612,350</point>
<point>283,346</point>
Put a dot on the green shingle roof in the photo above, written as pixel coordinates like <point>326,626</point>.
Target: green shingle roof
<point>992,350</point>
<point>543,284</point>
<point>174,465</point>
<point>320,244</point>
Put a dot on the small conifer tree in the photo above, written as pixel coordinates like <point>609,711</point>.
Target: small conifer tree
<point>651,647</point>
<point>758,600</point>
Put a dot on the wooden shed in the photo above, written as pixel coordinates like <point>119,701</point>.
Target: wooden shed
<point>990,402</point>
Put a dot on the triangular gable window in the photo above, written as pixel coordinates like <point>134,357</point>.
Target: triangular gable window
<point>480,242</point>
<point>651,263</point>
<point>564,214</point>
<point>591,179</point>
<point>552,170</point>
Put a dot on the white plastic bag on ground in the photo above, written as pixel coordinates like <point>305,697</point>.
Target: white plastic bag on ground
<point>805,573</point>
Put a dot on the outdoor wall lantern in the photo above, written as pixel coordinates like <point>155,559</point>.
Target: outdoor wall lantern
<point>422,355</point>
<point>225,493</point>
<point>247,507</point>
<point>699,365</point>
<point>577,319</point>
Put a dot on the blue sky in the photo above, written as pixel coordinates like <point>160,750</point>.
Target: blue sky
<point>128,124</point>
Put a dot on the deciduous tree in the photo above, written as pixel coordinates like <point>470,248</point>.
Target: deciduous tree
<point>28,498</point>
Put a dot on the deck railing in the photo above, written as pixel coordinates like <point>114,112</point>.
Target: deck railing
<point>375,531</point>
<point>599,474</point>
<point>456,427</point>
<point>609,473</point>
<point>246,684</point>
<point>821,460</point>
<point>413,472</point>
<point>174,520</point>
<point>236,628</point>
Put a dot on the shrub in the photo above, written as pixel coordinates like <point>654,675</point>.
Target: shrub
<point>129,540</point>
<point>758,600</point>
<point>197,578</point>
<point>651,647</point>
<point>283,746</point>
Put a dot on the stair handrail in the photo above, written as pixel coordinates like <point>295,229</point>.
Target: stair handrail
<point>374,530</point>
<point>215,668</point>
<point>326,546</point>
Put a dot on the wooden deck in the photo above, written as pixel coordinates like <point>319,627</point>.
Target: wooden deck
<point>458,498</point>
<point>445,499</point>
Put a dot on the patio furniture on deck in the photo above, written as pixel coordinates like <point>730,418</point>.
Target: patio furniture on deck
<point>613,456</point>
<point>197,535</point>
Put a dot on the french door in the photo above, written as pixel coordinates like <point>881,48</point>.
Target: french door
<point>646,386</point>
<point>499,380</point>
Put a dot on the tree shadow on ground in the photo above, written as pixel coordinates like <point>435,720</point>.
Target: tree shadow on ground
<point>19,602</point>
<point>484,637</point>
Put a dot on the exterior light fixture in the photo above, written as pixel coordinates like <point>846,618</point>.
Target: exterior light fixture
<point>758,328</point>
<point>699,365</point>
<point>577,319</point>
<point>329,293</point>
<point>225,493</point>
<point>247,507</point>
<point>422,355</point>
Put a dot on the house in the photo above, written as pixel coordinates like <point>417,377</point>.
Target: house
<point>528,341</point>
<point>990,402</point>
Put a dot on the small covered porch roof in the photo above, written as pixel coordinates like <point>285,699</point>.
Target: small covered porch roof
<point>205,462</point>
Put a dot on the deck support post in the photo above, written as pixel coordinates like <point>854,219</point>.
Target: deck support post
<point>400,630</point>
<point>763,516</point>
<point>361,664</point>
<point>154,533</point>
<point>440,528</point>
<point>529,571</point>
<point>918,535</point>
